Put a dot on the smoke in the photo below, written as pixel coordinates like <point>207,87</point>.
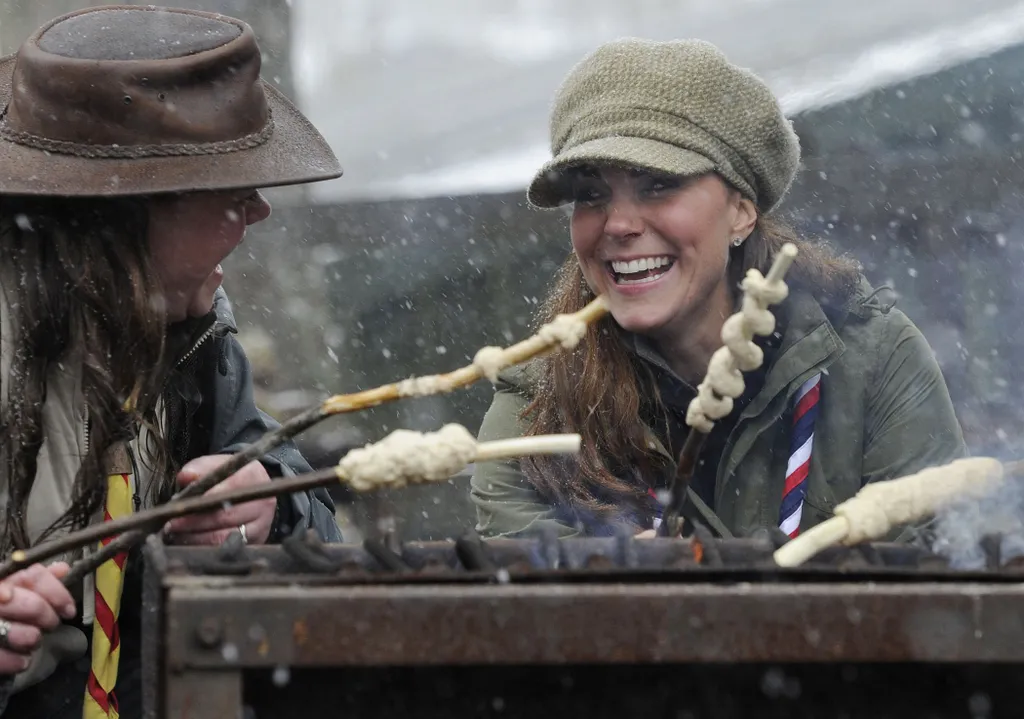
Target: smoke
<point>961,530</point>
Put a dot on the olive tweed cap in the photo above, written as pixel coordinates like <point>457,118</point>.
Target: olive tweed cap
<point>678,107</point>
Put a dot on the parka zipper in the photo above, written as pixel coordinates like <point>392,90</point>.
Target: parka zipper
<point>195,347</point>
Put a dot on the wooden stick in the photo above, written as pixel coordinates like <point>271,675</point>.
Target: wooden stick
<point>542,342</point>
<point>164,513</point>
<point>534,346</point>
<point>671,524</point>
<point>486,451</point>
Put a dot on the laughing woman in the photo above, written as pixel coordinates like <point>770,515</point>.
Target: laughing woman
<point>673,160</point>
<point>132,143</point>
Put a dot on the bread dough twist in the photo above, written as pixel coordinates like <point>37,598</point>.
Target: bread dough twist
<point>724,381</point>
<point>408,457</point>
<point>880,506</point>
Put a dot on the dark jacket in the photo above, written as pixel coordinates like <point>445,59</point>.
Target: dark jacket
<point>210,410</point>
<point>884,413</point>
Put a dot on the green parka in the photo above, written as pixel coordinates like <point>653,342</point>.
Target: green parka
<point>884,412</point>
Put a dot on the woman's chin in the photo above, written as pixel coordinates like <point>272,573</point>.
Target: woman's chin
<point>639,323</point>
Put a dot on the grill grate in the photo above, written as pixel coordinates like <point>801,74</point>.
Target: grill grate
<point>545,557</point>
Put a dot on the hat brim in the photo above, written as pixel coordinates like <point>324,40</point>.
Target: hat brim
<point>295,153</point>
<point>550,186</point>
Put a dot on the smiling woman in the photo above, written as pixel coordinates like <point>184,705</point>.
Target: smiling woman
<point>673,160</point>
<point>132,141</point>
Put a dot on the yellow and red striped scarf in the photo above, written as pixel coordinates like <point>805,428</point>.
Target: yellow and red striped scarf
<point>100,701</point>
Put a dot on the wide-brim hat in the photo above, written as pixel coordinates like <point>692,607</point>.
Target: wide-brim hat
<point>131,100</point>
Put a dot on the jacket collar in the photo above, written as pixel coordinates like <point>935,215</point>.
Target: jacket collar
<point>809,344</point>
<point>184,336</point>
<point>223,312</point>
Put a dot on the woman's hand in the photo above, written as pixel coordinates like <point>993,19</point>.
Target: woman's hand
<point>214,527</point>
<point>31,601</point>
<point>647,534</point>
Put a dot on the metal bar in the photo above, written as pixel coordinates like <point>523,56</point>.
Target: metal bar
<point>413,625</point>
<point>204,694</point>
<point>152,626</point>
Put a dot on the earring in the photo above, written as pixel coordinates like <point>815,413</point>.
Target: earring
<point>737,242</point>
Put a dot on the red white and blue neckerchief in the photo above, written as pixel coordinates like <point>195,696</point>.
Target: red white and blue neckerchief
<point>805,412</point>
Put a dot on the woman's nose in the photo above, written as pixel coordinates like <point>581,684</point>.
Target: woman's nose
<point>623,219</point>
<point>257,209</point>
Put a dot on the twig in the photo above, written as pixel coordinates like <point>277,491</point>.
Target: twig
<point>672,524</point>
<point>159,516</point>
<point>165,512</point>
<point>723,381</point>
<point>549,338</point>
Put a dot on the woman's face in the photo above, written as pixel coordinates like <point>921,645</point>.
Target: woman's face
<point>189,236</point>
<point>657,246</point>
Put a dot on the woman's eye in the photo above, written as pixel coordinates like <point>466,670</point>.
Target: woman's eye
<point>587,195</point>
<point>661,185</point>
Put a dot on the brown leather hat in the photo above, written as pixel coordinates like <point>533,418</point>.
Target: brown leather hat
<point>132,100</point>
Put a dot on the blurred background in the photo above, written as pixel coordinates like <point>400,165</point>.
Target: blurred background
<point>911,115</point>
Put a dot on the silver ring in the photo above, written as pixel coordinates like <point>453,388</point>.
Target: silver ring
<point>5,631</point>
<point>245,536</point>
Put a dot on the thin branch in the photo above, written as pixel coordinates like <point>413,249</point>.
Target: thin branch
<point>671,523</point>
<point>166,512</point>
<point>549,338</point>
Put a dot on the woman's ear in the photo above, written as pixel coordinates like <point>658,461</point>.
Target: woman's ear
<point>745,217</point>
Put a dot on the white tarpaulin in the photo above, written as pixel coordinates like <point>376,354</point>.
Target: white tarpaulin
<point>452,96</point>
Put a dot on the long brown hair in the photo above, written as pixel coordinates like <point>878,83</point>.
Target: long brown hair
<point>601,390</point>
<point>78,279</point>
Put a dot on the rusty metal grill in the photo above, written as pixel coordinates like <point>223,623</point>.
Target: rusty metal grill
<point>265,627</point>
<point>546,558</point>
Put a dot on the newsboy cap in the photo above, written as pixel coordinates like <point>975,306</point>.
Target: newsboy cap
<point>678,107</point>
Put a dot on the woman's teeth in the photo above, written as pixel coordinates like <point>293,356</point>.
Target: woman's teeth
<point>635,272</point>
<point>646,263</point>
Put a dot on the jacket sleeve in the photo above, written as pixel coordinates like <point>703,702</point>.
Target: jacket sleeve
<point>506,504</point>
<point>911,424</point>
<point>237,422</point>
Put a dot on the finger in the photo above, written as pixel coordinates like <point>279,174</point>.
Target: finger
<point>29,608</point>
<point>22,638</point>
<point>200,466</point>
<point>250,475</point>
<point>196,539</point>
<point>59,569</point>
<point>222,518</point>
<point>12,663</point>
<point>40,580</point>
<point>257,531</point>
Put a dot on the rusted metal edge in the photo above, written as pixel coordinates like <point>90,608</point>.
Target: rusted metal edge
<point>597,623</point>
<point>152,626</point>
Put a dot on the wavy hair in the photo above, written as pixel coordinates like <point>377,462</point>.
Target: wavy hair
<point>80,285</point>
